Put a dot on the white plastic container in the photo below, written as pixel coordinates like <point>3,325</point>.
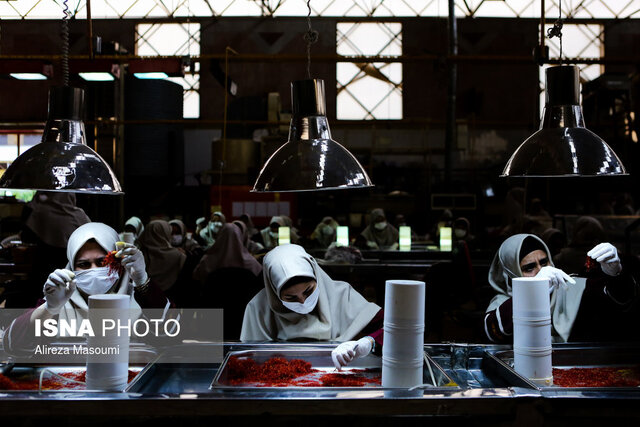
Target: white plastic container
<point>108,357</point>
<point>532,329</point>
<point>402,353</point>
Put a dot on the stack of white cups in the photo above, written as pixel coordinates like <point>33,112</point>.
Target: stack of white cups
<point>402,353</point>
<point>532,329</point>
<point>105,371</point>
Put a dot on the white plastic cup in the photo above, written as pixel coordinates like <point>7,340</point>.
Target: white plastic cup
<point>532,332</point>
<point>530,297</point>
<point>401,373</point>
<point>534,363</point>
<point>404,343</point>
<point>402,353</point>
<point>404,301</point>
<point>108,371</point>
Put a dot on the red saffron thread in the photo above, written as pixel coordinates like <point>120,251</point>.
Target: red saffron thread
<point>114,263</point>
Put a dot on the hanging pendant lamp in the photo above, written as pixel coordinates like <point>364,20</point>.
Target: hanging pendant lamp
<point>62,161</point>
<point>310,160</point>
<point>563,146</point>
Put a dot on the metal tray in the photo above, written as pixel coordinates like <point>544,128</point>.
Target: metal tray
<point>139,356</point>
<point>578,356</point>
<point>472,367</point>
<point>369,367</point>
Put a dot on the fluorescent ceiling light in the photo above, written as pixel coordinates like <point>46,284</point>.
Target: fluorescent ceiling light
<point>28,76</point>
<point>97,77</point>
<point>156,75</point>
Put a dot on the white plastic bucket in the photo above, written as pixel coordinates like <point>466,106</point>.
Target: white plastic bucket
<point>108,372</point>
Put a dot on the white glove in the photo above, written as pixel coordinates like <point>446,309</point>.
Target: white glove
<point>372,245</point>
<point>133,262</point>
<point>607,255</point>
<point>556,277</point>
<point>347,351</point>
<point>58,289</point>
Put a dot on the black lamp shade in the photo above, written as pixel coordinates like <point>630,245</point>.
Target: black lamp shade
<point>563,146</point>
<point>62,161</point>
<point>311,160</point>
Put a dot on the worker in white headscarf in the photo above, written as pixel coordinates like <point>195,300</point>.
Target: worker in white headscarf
<point>379,234</point>
<point>67,290</point>
<point>135,226</point>
<point>210,232</point>
<point>269,234</point>
<point>526,255</point>
<point>301,302</point>
<point>325,232</point>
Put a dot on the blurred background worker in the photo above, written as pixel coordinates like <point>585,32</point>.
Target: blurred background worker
<point>268,236</point>
<point>325,232</point>
<point>134,226</point>
<point>379,234</point>
<point>229,277</point>
<point>182,240</point>
<point>210,232</point>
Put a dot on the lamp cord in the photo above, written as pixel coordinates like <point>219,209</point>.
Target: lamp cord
<point>556,30</point>
<point>311,36</point>
<point>65,44</point>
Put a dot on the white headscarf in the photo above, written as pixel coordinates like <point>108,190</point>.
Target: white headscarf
<point>340,314</point>
<point>565,301</point>
<point>106,237</point>
<point>136,223</point>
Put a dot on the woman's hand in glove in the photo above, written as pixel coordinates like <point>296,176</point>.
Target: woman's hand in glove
<point>133,262</point>
<point>556,277</point>
<point>607,255</point>
<point>58,289</point>
<point>347,351</point>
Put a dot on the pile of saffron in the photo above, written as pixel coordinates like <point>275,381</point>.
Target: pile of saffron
<point>597,377</point>
<point>280,372</point>
<point>52,383</point>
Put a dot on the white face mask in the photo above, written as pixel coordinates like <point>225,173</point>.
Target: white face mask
<point>380,225</point>
<point>96,281</point>
<point>327,230</point>
<point>307,306</point>
<point>459,233</point>
<point>176,240</point>
<point>273,234</point>
<point>215,226</point>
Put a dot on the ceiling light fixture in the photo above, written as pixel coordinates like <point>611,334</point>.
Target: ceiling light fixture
<point>563,146</point>
<point>97,77</point>
<point>62,161</point>
<point>28,76</point>
<point>310,160</point>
